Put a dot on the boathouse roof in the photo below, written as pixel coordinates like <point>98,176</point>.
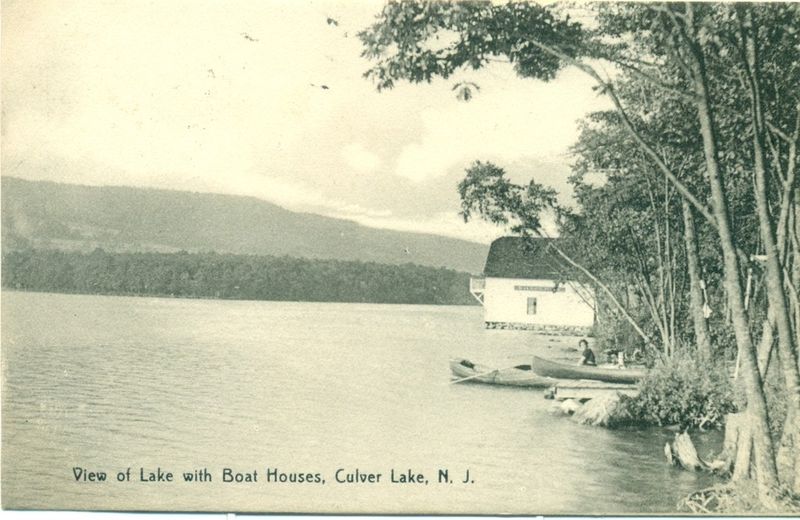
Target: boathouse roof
<point>531,258</point>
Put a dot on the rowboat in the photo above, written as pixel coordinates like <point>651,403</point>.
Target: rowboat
<point>548,368</point>
<point>520,375</point>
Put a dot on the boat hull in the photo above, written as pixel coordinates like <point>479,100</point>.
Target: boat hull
<point>548,368</point>
<point>506,377</point>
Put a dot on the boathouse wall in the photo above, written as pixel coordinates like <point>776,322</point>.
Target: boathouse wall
<point>526,284</point>
<point>538,305</point>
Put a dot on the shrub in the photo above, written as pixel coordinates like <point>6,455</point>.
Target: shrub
<point>680,391</point>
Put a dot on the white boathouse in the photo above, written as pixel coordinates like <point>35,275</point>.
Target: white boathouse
<point>527,285</point>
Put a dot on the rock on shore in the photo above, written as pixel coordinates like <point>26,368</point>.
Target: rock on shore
<point>594,412</point>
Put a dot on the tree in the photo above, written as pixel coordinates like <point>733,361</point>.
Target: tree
<point>685,53</point>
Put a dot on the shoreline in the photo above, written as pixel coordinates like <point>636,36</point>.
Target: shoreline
<point>5,289</point>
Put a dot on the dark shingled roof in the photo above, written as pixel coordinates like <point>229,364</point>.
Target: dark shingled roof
<point>520,257</point>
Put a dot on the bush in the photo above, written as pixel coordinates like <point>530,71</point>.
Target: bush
<point>680,391</point>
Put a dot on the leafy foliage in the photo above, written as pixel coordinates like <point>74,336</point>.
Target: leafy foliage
<point>417,41</point>
<point>487,192</point>
<point>681,391</point>
<point>706,120</point>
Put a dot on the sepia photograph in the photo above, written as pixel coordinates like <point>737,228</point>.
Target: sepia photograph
<point>368,257</point>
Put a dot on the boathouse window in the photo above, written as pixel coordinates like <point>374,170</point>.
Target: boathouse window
<point>531,305</point>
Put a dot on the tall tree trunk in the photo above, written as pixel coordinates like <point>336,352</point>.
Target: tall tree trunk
<point>701,335</point>
<point>767,473</point>
<point>740,422</point>
<point>766,470</point>
<point>795,265</point>
<point>774,270</point>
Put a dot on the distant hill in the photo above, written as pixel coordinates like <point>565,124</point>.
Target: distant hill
<point>74,217</point>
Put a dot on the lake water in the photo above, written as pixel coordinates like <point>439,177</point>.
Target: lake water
<point>110,383</point>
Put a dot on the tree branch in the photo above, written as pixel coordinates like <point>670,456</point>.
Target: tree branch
<point>783,135</point>
<point>687,96</point>
<point>607,89</point>
<point>604,287</point>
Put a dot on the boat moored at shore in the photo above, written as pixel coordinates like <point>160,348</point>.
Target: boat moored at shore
<point>519,375</point>
<point>553,369</point>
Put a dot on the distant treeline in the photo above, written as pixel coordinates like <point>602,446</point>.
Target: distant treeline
<point>227,276</point>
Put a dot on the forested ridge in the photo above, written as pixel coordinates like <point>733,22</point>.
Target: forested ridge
<point>49,215</point>
<point>229,276</point>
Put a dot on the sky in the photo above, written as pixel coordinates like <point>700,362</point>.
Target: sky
<point>228,97</point>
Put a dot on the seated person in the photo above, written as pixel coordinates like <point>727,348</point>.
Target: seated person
<point>587,356</point>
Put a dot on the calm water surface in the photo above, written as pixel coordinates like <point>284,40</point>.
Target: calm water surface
<point>108,383</point>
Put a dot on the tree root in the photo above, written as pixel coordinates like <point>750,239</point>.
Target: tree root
<point>741,494</point>
<point>737,498</point>
<point>708,501</point>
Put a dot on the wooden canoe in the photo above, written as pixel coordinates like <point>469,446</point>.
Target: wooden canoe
<point>548,368</point>
<point>521,375</point>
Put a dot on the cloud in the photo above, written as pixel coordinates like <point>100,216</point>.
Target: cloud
<point>186,102</point>
<point>510,118</point>
<point>360,159</point>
